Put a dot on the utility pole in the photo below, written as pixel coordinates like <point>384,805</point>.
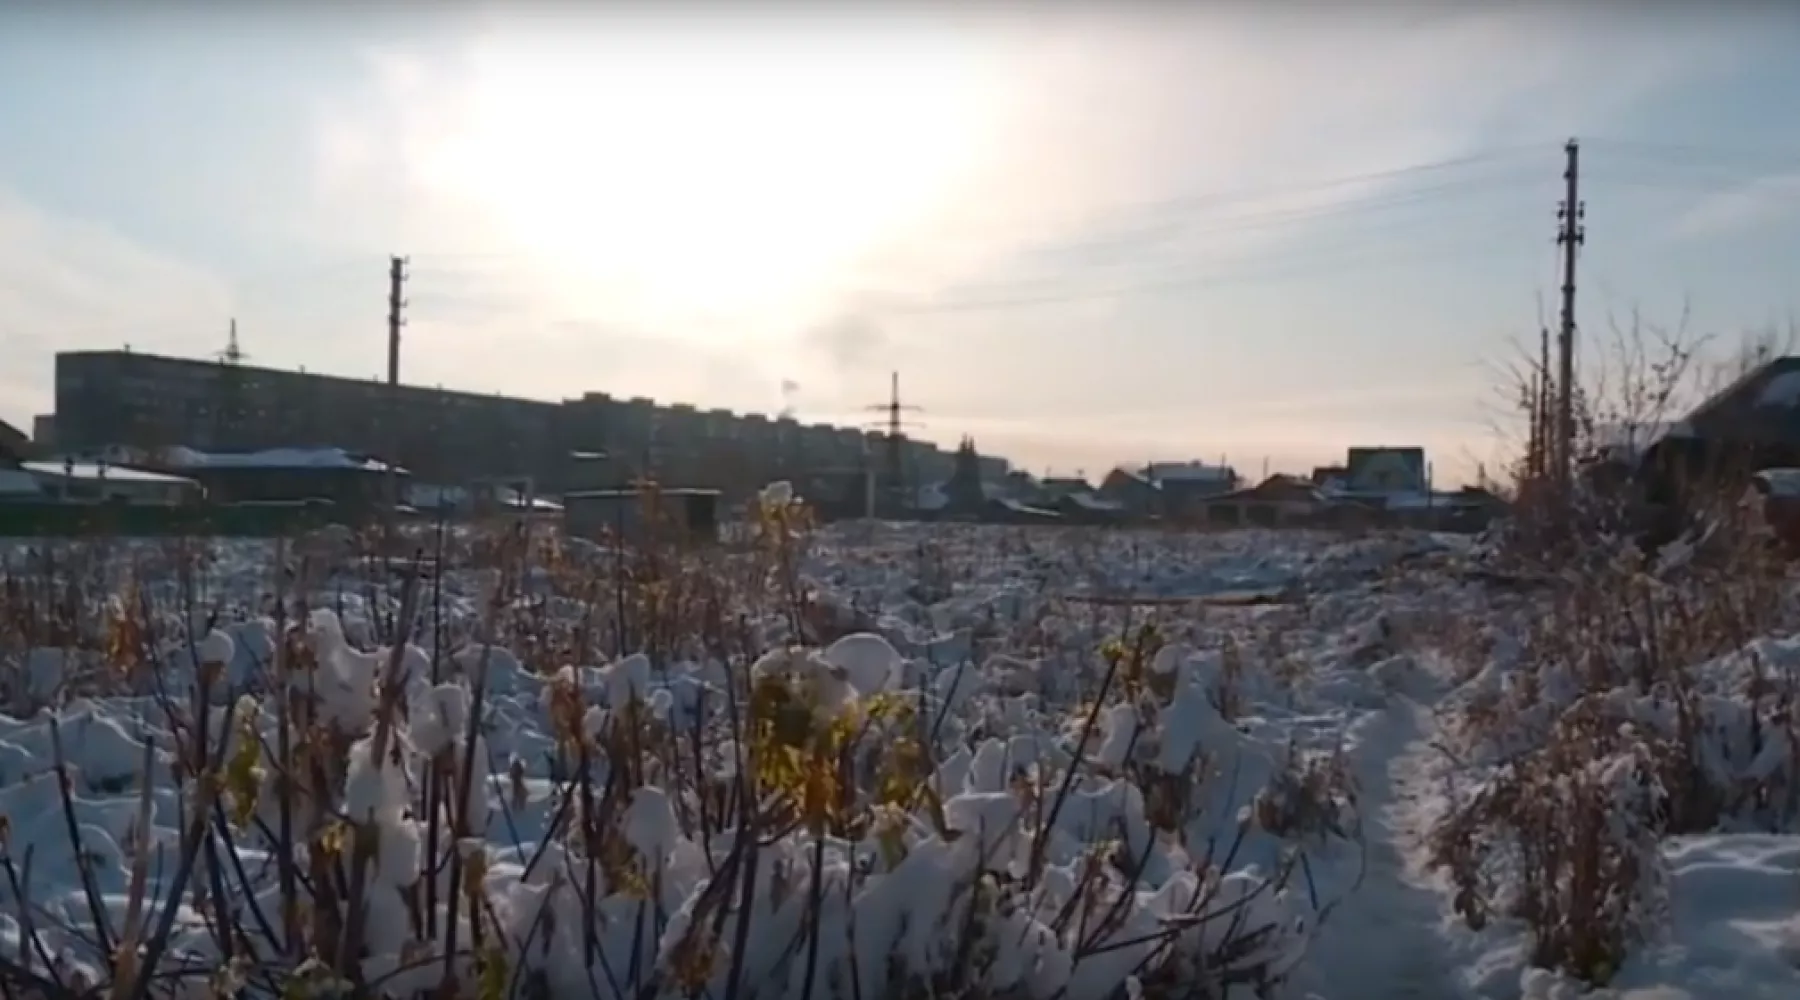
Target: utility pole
<point>396,317</point>
<point>1537,460</point>
<point>1570,235</point>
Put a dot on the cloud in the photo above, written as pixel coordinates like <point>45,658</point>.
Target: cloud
<point>1760,202</point>
<point>1152,112</point>
<point>609,155</point>
<point>68,283</point>
<point>1075,128</point>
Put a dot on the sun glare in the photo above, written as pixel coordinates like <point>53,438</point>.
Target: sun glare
<point>703,177</point>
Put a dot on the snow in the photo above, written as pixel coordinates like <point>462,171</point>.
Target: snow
<point>274,458</point>
<point>435,497</point>
<point>1089,501</point>
<point>1257,792</point>
<point>99,471</point>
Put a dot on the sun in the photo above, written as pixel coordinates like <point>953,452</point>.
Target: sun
<point>689,173</point>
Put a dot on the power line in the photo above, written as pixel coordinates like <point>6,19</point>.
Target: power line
<point>1678,152</point>
<point>1169,212</point>
<point>1181,283</point>
<point>1268,219</point>
<point>1134,279</point>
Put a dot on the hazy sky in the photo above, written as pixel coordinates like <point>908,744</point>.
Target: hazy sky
<point>1156,232</point>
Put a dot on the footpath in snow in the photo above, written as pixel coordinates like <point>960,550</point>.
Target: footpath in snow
<point>1389,941</point>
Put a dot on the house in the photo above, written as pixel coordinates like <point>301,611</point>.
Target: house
<point>1133,492</point>
<point>1089,508</point>
<point>1053,488</point>
<point>1004,510</point>
<point>1277,501</point>
<point>1384,470</point>
<point>480,498</point>
<point>633,515</point>
<point>92,481</point>
<point>1751,424</point>
<point>1186,486</point>
<point>352,481</point>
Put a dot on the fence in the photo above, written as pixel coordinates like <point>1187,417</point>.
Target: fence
<point>251,520</point>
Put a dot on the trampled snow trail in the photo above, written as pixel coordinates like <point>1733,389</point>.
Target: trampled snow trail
<point>1384,942</point>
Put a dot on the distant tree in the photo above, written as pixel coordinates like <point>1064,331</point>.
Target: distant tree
<point>964,488</point>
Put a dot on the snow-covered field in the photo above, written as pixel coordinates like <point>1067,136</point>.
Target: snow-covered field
<point>1015,763</point>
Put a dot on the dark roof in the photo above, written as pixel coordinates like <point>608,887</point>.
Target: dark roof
<point>1274,487</point>
<point>14,443</point>
<point>1732,412</point>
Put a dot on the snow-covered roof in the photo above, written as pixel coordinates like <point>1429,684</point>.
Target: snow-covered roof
<point>100,471</point>
<point>276,458</point>
<point>1021,507</point>
<point>1091,502</point>
<point>429,496</point>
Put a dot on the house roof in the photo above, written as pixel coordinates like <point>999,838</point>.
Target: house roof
<point>1276,486</point>
<point>1089,501</point>
<point>1771,386</point>
<point>100,471</point>
<point>1188,472</point>
<point>278,458</point>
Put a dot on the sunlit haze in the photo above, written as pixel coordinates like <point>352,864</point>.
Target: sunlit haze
<point>1084,238</point>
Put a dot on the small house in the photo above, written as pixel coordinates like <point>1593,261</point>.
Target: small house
<point>1277,501</point>
<point>637,515</point>
<point>97,481</point>
<point>1088,508</point>
<point>1054,488</point>
<point>351,481</point>
<point>1004,510</point>
<point>1385,471</point>
<point>1187,486</point>
<point>1132,491</point>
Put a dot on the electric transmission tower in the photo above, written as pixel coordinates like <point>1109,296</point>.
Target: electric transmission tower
<point>894,442</point>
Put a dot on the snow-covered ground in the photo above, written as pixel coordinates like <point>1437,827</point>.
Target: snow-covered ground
<point>1046,764</point>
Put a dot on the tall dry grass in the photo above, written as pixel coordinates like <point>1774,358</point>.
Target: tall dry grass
<point>274,886</point>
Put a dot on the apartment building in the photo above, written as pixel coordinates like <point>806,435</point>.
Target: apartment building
<point>446,436</point>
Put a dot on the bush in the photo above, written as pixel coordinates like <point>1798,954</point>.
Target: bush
<point>761,798</point>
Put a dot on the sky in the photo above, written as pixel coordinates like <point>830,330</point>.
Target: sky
<point>1084,235</point>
